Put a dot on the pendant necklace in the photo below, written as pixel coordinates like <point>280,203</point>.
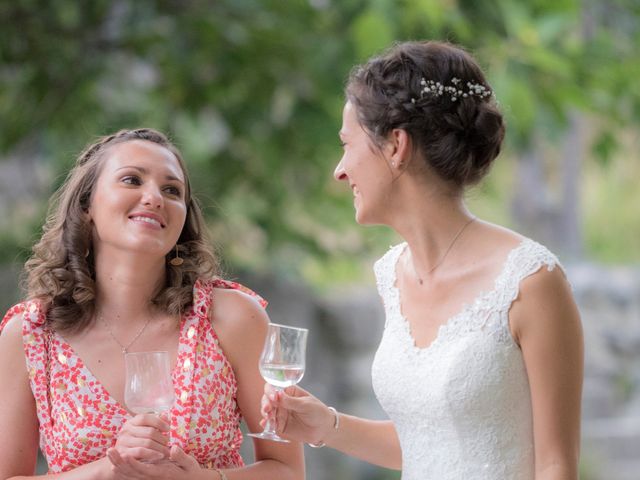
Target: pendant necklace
<point>124,348</point>
<point>439,262</point>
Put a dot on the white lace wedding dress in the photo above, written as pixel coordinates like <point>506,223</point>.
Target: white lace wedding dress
<point>461,406</point>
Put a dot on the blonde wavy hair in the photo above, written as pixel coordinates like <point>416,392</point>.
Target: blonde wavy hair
<point>61,274</point>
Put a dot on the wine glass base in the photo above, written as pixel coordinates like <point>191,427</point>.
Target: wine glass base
<point>268,436</point>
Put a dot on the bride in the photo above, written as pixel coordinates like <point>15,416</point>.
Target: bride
<point>480,364</point>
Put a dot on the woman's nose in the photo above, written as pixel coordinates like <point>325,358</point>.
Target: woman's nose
<point>339,173</point>
<point>152,196</point>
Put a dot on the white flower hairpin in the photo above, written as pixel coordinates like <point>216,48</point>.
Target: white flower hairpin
<point>455,89</point>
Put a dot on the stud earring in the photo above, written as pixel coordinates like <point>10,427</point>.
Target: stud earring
<point>393,164</point>
<point>176,261</point>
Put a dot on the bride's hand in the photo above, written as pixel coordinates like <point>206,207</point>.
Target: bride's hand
<point>299,415</point>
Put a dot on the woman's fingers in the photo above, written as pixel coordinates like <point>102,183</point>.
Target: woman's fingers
<point>182,460</point>
<point>120,466</point>
<point>159,422</point>
<point>150,435</point>
<point>142,447</point>
<point>144,437</point>
<point>132,468</point>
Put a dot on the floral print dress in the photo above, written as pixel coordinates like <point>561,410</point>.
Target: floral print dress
<point>78,418</point>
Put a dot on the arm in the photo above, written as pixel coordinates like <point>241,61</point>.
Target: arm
<point>19,427</point>
<point>302,417</point>
<point>241,325</point>
<point>18,418</point>
<point>546,323</point>
<point>373,441</point>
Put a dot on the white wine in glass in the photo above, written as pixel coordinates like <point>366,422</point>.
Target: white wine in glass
<point>282,364</point>
<point>148,387</point>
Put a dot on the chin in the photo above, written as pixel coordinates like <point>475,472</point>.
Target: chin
<point>149,248</point>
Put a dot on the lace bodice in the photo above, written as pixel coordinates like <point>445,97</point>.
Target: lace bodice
<point>461,406</point>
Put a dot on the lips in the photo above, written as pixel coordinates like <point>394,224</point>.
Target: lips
<point>148,218</point>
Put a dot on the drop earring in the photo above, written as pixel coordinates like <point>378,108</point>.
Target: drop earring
<point>176,261</point>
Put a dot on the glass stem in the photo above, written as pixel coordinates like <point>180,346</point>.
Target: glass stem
<point>269,427</point>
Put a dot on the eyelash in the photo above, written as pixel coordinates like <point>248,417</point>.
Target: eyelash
<point>133,180</point>
<point>176,191</point>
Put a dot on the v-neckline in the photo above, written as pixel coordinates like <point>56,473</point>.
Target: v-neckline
<point>466,307</point>
<point>89,375</point>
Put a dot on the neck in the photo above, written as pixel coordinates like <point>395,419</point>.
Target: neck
<point>429,219</point>
<point>126,282</point>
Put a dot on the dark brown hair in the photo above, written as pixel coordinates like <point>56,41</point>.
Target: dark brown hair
<point>459,137</point>
<point>60,273</point>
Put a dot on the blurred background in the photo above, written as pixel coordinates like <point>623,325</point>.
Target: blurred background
<point>251,91</point>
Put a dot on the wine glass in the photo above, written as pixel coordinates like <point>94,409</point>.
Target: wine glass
<point>148,387</point>
<point>282,364</point>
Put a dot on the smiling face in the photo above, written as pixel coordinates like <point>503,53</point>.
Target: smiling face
<point>138,204</point>
<point>365,167</point>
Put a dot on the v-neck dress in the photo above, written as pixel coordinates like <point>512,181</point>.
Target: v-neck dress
<point>462,405</point>
<point>78,418</point>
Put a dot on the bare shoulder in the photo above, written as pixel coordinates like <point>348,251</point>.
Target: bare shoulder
<point>496,238</point>
<point>486,249</point>
<point>11,334</point>
<point>237,316</point>
<point>12,356</point>
<point>548,286</point>
<point>237,307</point>
<point>545,304</point>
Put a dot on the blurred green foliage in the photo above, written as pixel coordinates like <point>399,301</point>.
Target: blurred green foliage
<point>251,90</point>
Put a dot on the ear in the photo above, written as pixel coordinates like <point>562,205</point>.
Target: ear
<point>400,149</point>
<point>86,213</point>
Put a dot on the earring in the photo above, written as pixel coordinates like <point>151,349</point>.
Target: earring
<point>393,164</point>
<point>176,261</point>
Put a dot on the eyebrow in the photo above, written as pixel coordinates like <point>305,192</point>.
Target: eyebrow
<point>144,171</point>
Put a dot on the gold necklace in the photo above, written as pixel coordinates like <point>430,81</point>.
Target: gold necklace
<point>439,262</point>
<point>125,348</point>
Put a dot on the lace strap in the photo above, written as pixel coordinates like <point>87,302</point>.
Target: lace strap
<point>525,260</point>
<point>385,270</point>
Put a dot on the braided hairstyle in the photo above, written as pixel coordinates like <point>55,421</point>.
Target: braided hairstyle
<point>60,273</point>
<point>458,135</point>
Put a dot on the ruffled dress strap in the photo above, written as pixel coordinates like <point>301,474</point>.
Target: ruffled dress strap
<point>220,283</point>
<point>200,362</point>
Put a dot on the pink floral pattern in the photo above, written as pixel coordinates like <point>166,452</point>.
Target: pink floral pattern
<point>79,420</point>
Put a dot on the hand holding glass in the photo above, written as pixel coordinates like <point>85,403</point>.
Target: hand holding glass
<point>282,364</point>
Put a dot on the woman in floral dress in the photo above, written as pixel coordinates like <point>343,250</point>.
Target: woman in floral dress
<point>124,266</point>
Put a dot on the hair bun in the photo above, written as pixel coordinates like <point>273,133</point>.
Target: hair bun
<point>437,92</point>
<point>485,139</point>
